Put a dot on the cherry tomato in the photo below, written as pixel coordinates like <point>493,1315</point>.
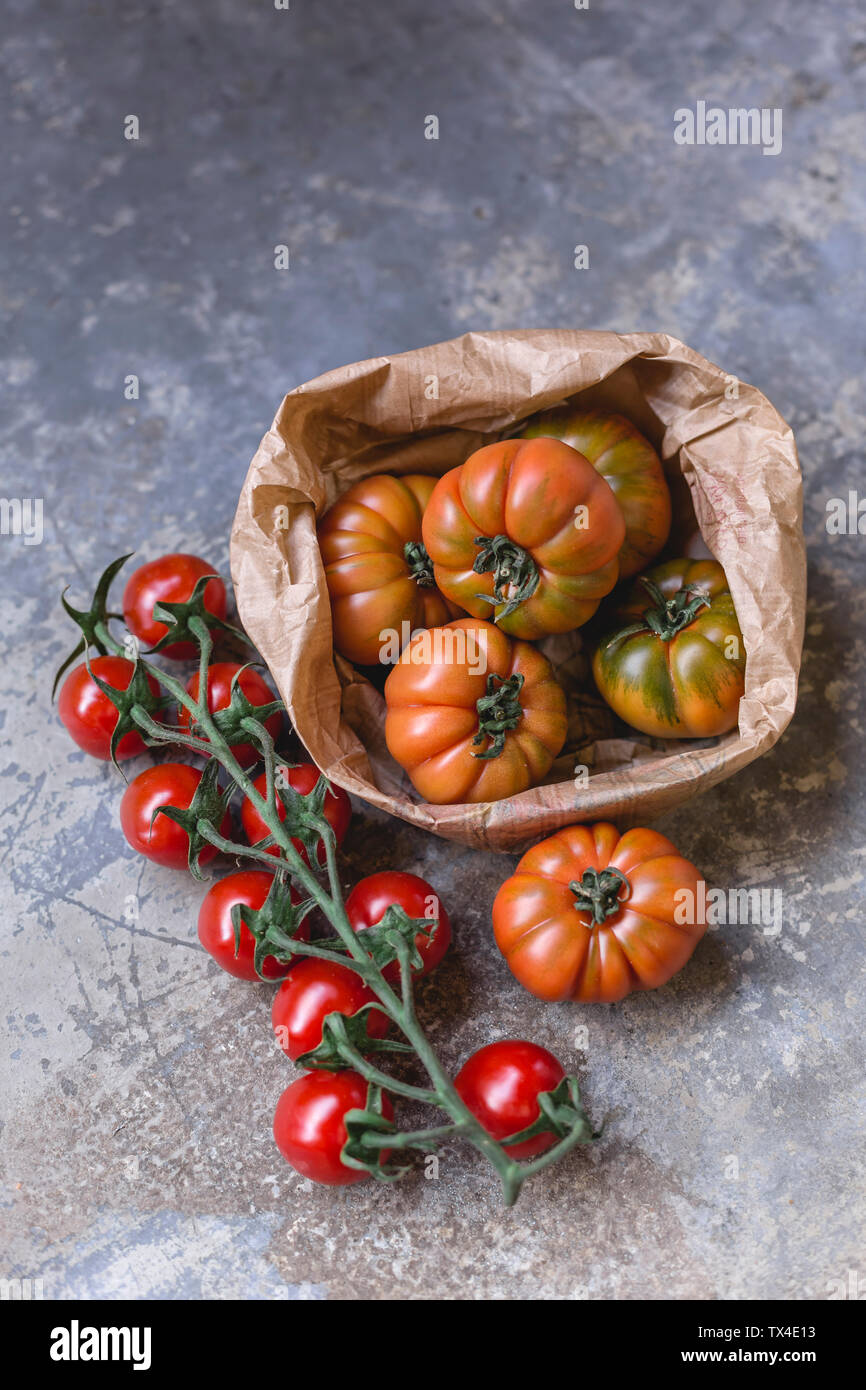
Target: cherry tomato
<point>337,809</point>
<point>219,690</point>
<point>170,579</point>
<point>309,1128</point>
<point>217,935</point>
<point>88,715</point>
<point>314,989</point>
<point>501,1084</point>
<point>366,904</point>
<point>166,842</point>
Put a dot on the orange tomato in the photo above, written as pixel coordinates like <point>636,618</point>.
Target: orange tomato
<point>628,461</point>
<point>472,715</point>
<point>526,533</point>
<point>379,575</point>
<point>673,663</point>
<point>590,915</point>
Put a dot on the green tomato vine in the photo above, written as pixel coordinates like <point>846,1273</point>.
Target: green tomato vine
<point>275,925</point>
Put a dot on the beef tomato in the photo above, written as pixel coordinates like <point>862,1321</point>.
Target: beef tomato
<point>673,662</point>
<point>631,466</point>
<point>472,715</point>
<point>590,915</point>
<point>379,576</point>
<point>525,533</point>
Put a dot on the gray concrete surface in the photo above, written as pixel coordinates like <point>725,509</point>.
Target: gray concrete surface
<point>137,1081</point>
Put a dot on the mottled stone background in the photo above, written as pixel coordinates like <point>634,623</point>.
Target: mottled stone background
<point>139,1081</point>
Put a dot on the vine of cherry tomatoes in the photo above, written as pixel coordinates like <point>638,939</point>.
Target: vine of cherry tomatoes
<point>500,1084</point>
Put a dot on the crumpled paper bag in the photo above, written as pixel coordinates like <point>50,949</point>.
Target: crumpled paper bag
<point>732,464</point>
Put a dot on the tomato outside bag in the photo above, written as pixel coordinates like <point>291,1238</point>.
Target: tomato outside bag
<point>732,465</point>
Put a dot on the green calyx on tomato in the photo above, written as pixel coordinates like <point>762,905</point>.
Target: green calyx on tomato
<point>341,1032</point>
<point>96,702</point>
<point>207,808</point>
<point>498,711</point>
<point>561,1113</point>
<point>438,692</point>
<point>185,621</point>
<point>601,894</point>
<point>166,810</point>
<point>395,938</point>
<point>519,1092</point>
<point>670,616</point>
<point>322,1122</point>
<point>275,926</point>
<point>515,573</point>
<point>420,564</point>
<point>92,621</point>
<point>224,935</point>
<point>239,702</point>
<point>368,905</point>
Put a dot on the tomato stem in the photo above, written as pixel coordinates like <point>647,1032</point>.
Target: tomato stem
<point>600,894</point>
<point>669,616</point>
<point>515,573</point>
<point>498,711</point>
<point>420,564</point>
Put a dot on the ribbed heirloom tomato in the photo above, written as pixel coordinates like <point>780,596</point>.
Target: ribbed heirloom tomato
<point>525,533</point>
<point>310,1128</point>
<point>219,689</point>
<point>337,808</point>
<point>88,715</point>
<point>673,662</point>
<point>590,915</point>
<point>170,579</point>
<point>472,715</point>
<point>216,931</point>
<point>379,575</point>
<point>501,1084</point>
<point>631,466</point>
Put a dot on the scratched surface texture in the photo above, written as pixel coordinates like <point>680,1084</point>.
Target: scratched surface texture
<point>138,1081</point>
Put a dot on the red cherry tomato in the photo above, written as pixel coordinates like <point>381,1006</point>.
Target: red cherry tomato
<point>217,935</point>
<point>166,843</point>
<point>501,1084</point>
<point>170,579</point>
<point>368,900</point>
<point>337,809</point>
<point>314,989</point>
<point>219,690</point>
<point>309,1127</point>
<point>88,715</point>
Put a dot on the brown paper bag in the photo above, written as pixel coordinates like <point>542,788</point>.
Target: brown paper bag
<point>723,446</point>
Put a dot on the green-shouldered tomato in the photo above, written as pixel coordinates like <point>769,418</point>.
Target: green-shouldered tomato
<point>672,663</point>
